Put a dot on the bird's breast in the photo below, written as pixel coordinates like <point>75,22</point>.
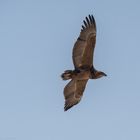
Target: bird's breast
<point>84,75</point>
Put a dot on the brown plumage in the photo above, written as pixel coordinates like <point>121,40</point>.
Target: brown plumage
<point>83,51</point>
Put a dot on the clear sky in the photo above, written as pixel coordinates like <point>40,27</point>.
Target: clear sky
<point>36,41</point>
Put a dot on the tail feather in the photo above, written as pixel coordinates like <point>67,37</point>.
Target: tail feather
<point>67,75</point>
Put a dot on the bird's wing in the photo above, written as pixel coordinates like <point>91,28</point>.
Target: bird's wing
<point>73,92</point>
<point>84,46</point>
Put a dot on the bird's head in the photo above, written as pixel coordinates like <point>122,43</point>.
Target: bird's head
<point>99,74</point>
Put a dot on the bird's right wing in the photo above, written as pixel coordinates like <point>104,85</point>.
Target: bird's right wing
<point>73,92</point>
<point>84,46</point>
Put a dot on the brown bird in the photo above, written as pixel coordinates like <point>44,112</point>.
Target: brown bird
<point>83,62</point>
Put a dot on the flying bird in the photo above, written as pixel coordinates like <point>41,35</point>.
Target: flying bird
<point>84,70</point>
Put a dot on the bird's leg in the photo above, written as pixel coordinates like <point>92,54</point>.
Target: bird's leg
<point>76,71</point>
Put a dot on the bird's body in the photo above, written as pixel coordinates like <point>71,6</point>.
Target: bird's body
<point>82,55</point>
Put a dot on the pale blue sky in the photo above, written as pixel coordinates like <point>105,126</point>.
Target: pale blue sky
<point>36,40</point>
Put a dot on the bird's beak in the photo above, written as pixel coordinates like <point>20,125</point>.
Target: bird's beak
<point>105,74</point>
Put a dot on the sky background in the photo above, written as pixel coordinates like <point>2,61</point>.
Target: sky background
<point>36,41</point>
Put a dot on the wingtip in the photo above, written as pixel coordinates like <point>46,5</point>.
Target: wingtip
<point>89,20</point>
<point>67,107</point>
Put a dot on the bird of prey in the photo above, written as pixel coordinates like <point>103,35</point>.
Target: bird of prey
<point>84,70</point>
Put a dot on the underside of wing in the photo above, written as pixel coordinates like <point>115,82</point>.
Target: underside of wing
<point>84,47</point>
<point>73,92</point>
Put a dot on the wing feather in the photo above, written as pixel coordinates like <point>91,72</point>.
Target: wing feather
<point>73,92</point>
<point>84,46</point>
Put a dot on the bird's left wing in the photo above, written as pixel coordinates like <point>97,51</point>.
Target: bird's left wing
<point>73,92</point>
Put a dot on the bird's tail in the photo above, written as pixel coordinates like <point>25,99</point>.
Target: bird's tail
<point>67,74</point>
